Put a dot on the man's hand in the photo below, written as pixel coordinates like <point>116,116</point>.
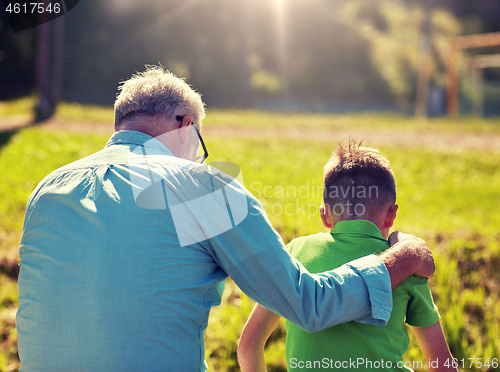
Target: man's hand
<point>426,270</point>
<point>407,256</point>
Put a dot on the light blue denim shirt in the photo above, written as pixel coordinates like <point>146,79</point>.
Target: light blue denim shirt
<point>124,253</point>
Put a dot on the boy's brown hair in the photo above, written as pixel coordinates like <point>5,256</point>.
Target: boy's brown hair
<point>358,182</point>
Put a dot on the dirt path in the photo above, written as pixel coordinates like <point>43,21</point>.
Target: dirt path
<point>14,122</point>
<point>443,141</point>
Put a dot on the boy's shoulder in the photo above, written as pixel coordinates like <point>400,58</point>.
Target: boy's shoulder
<point>310,246</point>
<point>348,241</point>
<point>320,238</point>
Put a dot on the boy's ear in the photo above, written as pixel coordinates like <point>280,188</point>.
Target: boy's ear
<point>390,216</point>
<point>325,216</point>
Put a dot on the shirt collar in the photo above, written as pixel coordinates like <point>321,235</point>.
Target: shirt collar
<point>357,227</point>
<point>132,137</point>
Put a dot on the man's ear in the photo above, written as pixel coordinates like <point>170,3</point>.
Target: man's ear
<point>390,216</point>
<point>325,216</point>
<point>182,132</point>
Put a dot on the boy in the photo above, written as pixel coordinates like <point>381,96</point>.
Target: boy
<point>359,209</point>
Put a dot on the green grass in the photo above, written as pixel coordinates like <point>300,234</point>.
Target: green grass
<point>264,119</point>
<point>449,198</point>
<point>86,113</point>
<point>22,107</point>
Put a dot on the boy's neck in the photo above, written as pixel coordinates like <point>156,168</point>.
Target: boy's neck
<point>383,220</point>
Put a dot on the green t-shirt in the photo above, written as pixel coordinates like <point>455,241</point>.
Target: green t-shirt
<point>354,345</point>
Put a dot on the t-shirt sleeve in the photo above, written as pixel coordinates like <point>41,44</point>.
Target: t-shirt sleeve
<point>421,311</point>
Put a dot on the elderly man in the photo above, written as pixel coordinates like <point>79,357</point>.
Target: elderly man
<point>124,252</point>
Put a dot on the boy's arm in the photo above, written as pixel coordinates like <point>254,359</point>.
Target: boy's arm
<point>433,344</point>
<point>259,326</point>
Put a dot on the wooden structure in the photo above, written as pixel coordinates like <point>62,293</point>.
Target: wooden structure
<point>479,63</point>
<point>460,43</point>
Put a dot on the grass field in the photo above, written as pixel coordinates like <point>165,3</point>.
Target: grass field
<point>447,195</point>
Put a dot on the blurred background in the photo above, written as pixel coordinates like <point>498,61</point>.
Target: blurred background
<point>312,55</point>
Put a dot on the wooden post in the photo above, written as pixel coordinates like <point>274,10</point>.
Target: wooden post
<point>452,83</point>
<point>424,72</point>
<point>48,66</point>
<point>478,99</point>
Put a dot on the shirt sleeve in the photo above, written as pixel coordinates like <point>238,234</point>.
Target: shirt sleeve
<point>254,255</point>
<point>422,312</point>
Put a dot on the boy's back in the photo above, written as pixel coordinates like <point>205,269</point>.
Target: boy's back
<point>355,345</point>
<point>359,209</point>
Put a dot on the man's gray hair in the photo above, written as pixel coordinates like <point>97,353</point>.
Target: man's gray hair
<point>157,91</point>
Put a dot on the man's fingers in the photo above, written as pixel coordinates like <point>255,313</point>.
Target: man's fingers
<point>397,236</point>
<point>394,237</point>
<point>426,267</point>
